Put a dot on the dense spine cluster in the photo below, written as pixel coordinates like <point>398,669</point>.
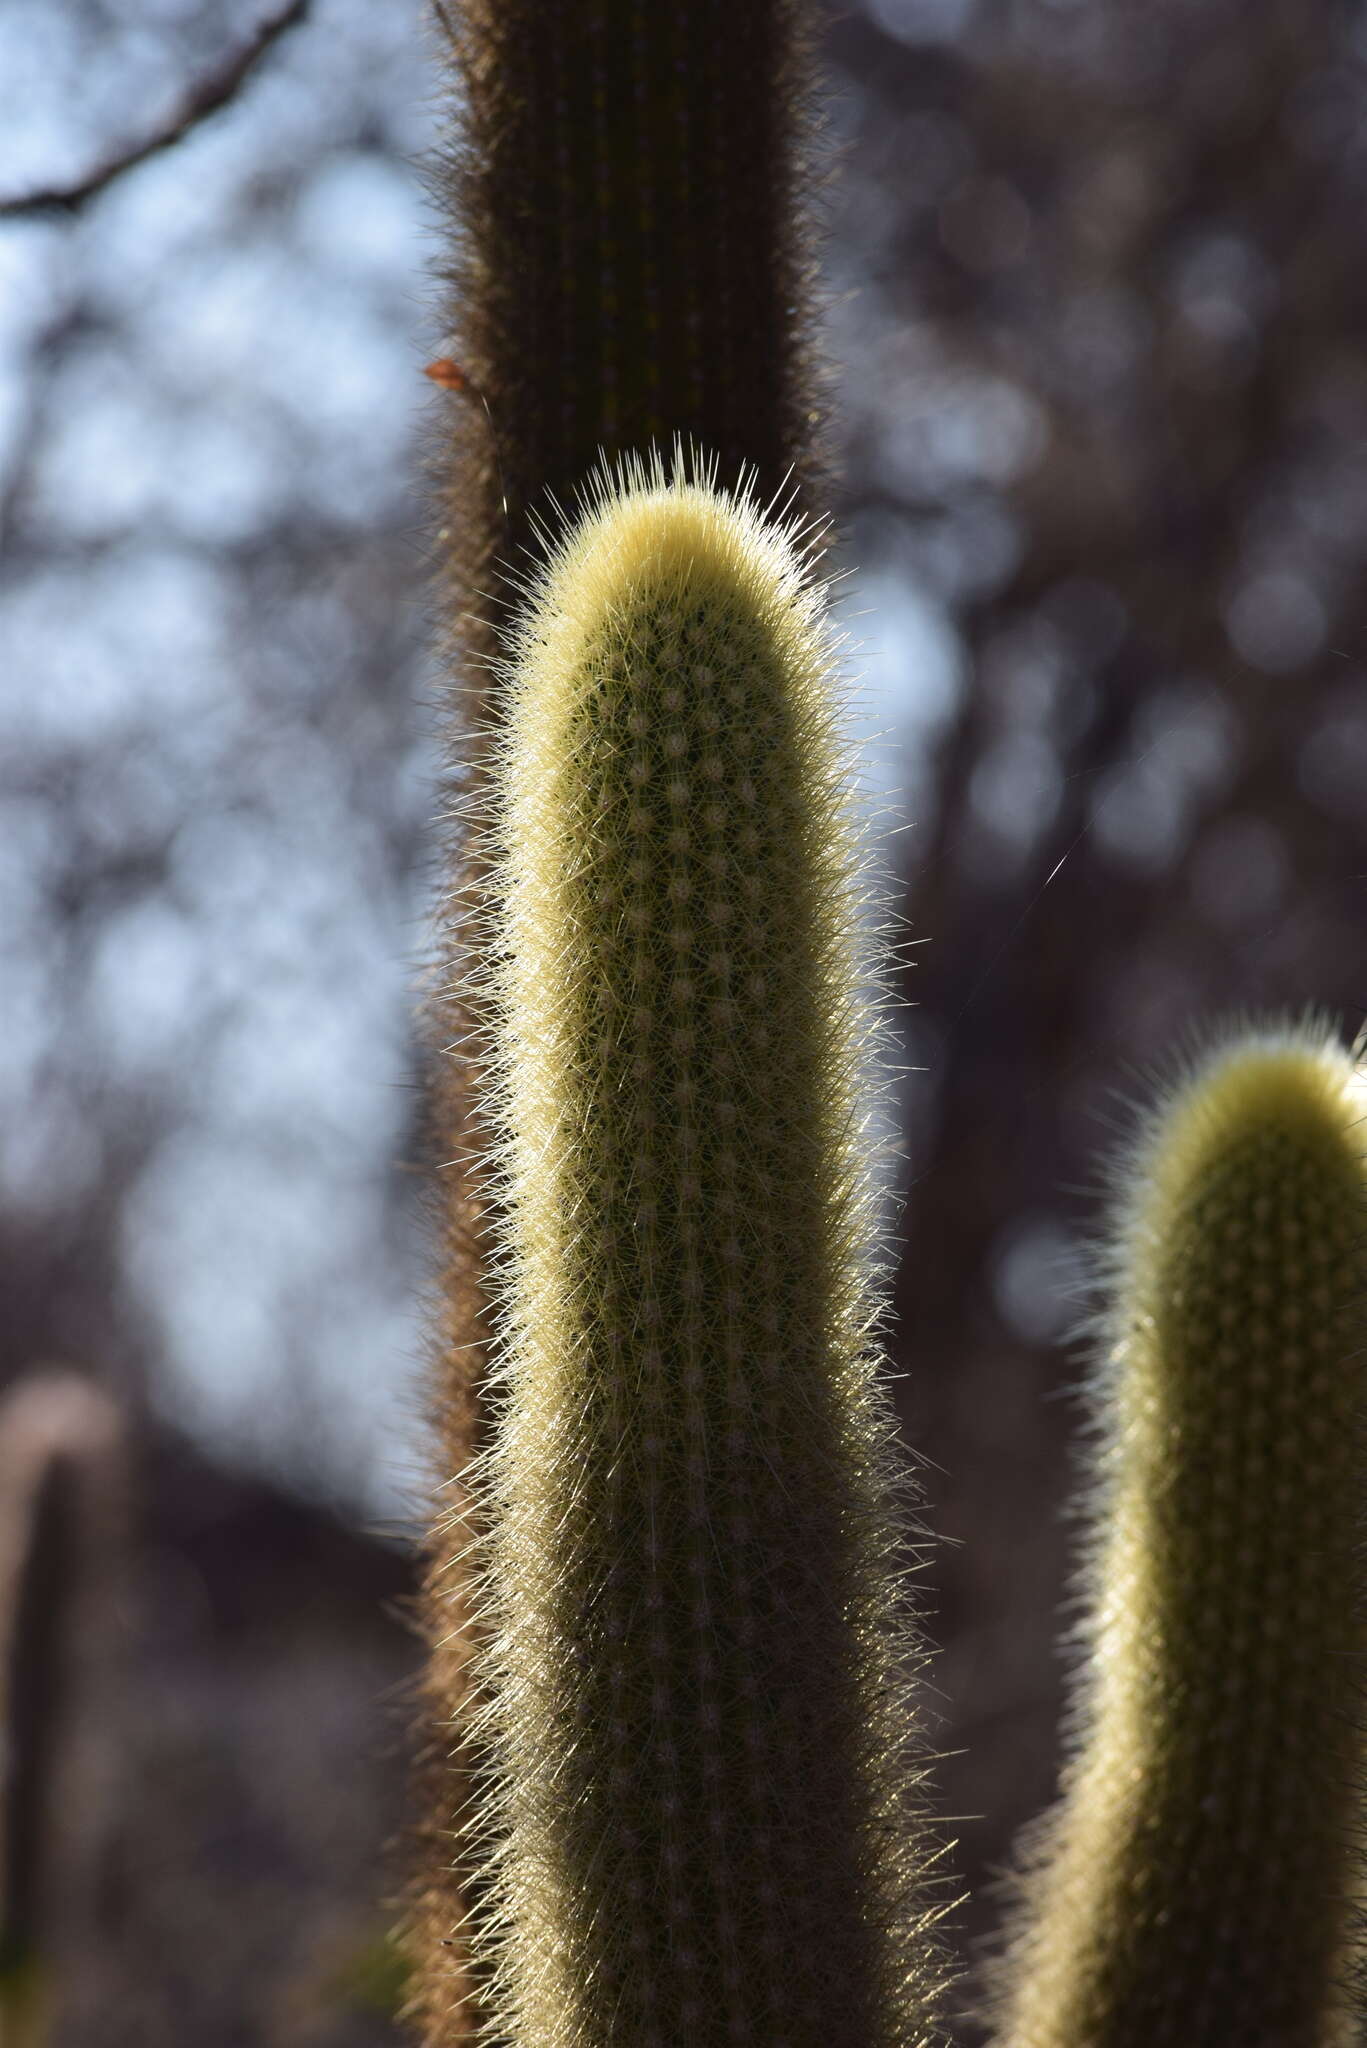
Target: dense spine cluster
<point>1199,1882</point>
<point>700,1797</point>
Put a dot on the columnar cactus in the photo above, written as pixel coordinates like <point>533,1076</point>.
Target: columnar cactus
<point>629,260</point>
<point>700,1797</point>
<point>630,249</point>
<point>1199,1882</point>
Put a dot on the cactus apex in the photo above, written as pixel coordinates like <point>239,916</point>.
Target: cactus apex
<point>701,1806</point>
<point>1198,1880</point>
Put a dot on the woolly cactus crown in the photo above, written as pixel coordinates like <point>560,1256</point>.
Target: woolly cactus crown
<point>1217,1718</point>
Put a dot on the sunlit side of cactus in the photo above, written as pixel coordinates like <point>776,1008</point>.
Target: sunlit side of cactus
<point>1197,1883</point>
<point>702,1802</point>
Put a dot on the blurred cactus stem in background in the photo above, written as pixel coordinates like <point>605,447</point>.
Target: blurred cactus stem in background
<point>703,1794</point>
<point>1200,1882</point>
<point>630,252</point>
<point>61,1523</point>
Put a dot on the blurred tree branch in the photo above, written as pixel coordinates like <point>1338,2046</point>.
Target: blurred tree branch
<point>214,90</point>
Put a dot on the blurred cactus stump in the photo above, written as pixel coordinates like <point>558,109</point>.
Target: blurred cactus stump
<point>62,1541</point>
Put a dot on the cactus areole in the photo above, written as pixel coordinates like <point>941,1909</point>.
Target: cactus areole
<point>700,1809</point>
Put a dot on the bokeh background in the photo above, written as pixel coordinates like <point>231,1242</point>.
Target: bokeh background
<point>1097,313</point>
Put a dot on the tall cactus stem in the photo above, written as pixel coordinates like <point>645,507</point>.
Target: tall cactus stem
<point>630,248</point>
<point>1199,1882</point>
<point>629,257</point>
<point>701,1803</point>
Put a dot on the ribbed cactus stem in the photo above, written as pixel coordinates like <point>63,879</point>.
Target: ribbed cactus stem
<point>1197,1883</point>
<point>701,1795</point>
<point>630,257</point>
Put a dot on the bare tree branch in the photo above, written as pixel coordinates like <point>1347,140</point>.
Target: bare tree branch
<point>210,93</point>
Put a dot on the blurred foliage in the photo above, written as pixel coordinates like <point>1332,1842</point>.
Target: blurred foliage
<point>376,1978</point>
<point>216,786</point>
<point>1100,330</point>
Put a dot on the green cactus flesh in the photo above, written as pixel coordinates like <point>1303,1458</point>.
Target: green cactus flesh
<point>702,1811</point>
<point>1197,1883</point>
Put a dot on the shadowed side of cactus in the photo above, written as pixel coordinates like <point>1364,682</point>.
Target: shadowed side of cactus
<point>703,1806</point>
<point>627,203</point>
<point>631,253</point>
<point>61,1486</point>
<point>1198,1882</point>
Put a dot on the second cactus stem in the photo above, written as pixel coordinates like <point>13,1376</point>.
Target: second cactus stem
<point>702,1809</point>
<point>1201,1880</point>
